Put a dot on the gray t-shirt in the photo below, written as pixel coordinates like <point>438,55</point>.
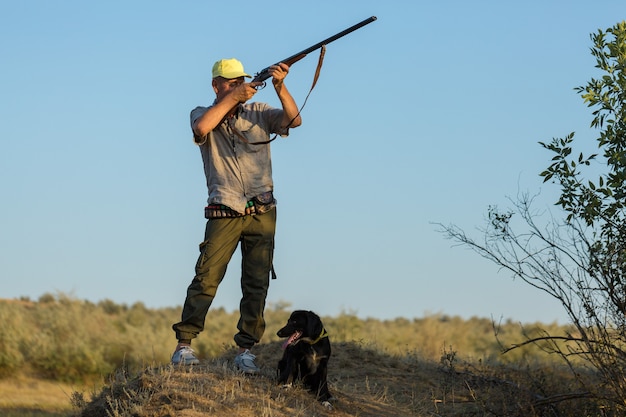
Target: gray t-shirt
<point>237,171</point>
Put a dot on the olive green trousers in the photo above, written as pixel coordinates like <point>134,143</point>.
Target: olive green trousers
<point>222,236</point>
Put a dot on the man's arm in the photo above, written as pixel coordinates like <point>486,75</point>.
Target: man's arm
<point>291,116</point>
<point>216,113</point>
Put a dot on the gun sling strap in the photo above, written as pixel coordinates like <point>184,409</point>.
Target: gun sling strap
<point>320,61</point>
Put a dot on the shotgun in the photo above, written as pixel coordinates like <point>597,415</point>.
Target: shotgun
<point>264,73</point>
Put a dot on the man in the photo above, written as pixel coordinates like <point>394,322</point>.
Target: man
<point>233,136</point>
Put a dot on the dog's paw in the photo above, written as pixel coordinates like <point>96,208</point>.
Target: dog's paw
<point>327,405</point>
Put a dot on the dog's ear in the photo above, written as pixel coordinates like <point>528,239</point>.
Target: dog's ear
<point>314,324</point>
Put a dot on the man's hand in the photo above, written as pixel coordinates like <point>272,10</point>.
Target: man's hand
<point>278,73</point>
<point>244,91</point>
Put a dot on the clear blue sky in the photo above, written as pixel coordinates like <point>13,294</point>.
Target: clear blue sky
<point>428,115</point>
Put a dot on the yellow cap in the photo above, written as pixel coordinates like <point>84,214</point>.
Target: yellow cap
<point>229,68</point>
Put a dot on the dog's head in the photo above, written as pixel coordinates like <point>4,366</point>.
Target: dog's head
<point>301,324</point>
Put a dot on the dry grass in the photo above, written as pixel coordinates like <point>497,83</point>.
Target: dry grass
<point>215,388</point>
<point>364,382</point>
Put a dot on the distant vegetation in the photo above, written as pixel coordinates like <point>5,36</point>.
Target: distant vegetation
<point>69,340</point>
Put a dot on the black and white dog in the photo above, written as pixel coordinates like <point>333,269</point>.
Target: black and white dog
<point>306,354</point>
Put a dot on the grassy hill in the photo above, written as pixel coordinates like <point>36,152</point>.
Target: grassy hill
<point>365,383</point>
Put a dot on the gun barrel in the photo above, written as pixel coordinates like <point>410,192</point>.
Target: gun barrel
<point>263,74</point>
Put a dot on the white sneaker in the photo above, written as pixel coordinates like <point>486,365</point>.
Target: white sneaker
<point>245,363</point>
<point>184,356</point>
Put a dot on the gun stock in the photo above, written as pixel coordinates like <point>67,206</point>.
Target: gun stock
<point>264,73</point>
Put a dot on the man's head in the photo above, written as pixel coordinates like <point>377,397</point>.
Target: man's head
<point>227,74</point>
